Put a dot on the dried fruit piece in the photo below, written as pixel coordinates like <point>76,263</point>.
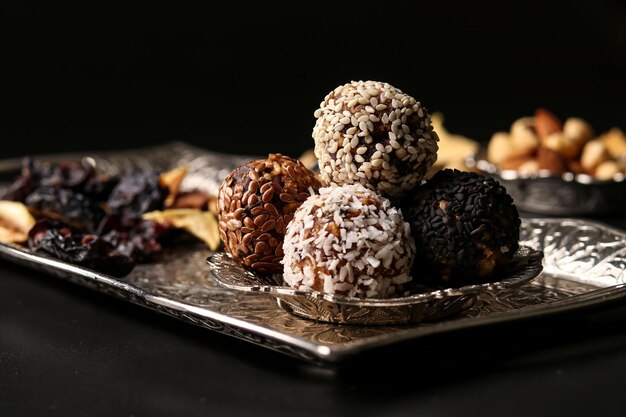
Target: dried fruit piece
<point>67,205</point>
<point>69,244</point>
<point>15,222</point>
<point>201,224</point>
<point>172,180</point>
<point>137,192</point>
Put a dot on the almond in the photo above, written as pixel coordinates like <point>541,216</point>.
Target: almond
<point>546,124</point>
<point>550,160</point>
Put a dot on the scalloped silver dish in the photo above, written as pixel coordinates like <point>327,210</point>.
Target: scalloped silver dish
<point>584,265</point>
<point>425,305</point>
<point>561,195</point>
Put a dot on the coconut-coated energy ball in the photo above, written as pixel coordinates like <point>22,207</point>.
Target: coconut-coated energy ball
<point>348,240</point>
<point>255,203</point>
<point>372,133</point>
<point>465,225</point>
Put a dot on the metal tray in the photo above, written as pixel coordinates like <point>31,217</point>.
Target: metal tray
<point>584,265</point>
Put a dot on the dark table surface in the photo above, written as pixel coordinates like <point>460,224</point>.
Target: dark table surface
<point>228,78</point>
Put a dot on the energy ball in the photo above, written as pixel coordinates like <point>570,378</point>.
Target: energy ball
<point>372,133</point>
<point>465,225</point>
<point>256,202</point>
<point>348,240</point>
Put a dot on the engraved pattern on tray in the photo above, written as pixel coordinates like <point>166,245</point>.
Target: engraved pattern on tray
<point>584,265</point>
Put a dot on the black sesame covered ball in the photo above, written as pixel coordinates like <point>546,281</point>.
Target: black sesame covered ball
<point>465,226</point>
<point>372,133</point>
<point>255,203</point>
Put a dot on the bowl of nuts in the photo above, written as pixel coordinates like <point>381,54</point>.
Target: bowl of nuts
<point>558,168</point>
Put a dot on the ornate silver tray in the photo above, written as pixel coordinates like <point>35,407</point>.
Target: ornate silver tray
<point>420,305</point>
<point>584,265</point>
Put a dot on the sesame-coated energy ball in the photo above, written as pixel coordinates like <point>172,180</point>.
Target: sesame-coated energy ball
<point>465,226</point>
<point>256,202</point>
<point>348,240</point>
<point>372,133</point>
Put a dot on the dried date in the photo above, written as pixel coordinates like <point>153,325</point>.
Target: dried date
<point>137,192</point>
<point>70,244</point>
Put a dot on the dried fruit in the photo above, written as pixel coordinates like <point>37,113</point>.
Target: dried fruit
<point>90,218</point>
<point>15,222</point>
<point>201,224</point>
<point>69,244</point>
<point>137,192</point>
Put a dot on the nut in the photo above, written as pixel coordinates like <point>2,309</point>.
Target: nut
<point>615,142</point>
<point>499,148</point>
<point>550,160</point>
<point>561,144</point>
<point>577,130</point>
<point>594,153</point>
<point>523,136</point>
<point>546,124</point>
<point>607,170</point>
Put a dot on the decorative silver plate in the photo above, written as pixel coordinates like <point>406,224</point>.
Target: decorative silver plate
<point>584,265</point>
<point>557,195</point>
<point>422,304</point>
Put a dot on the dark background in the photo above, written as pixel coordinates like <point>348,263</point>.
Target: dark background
<point>248,78</point>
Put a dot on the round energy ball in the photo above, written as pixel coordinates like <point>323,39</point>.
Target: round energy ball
<point>348,240</point>
<point>372,133</point>
<point>255,203</point>
<point>465,225</point>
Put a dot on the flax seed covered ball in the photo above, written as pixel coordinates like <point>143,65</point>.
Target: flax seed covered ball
<point>256,202</point>
<point>348,240</point>
<point>465,226</point>
<point>372,133</point>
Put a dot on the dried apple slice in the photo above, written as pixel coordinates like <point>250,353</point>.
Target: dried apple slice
<point>15,222</point>
<point>202,224</point>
